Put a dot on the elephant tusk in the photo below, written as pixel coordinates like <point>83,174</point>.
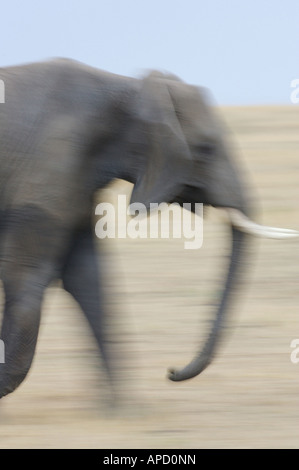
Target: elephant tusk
<point>243,223</point>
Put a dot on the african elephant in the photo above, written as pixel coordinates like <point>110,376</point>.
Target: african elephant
<point>67,130</point>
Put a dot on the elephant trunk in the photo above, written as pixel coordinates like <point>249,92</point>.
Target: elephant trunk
<point>240,226</point>
<point>205,356</point>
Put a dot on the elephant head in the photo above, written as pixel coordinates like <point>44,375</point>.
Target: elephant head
<point>213,179</point>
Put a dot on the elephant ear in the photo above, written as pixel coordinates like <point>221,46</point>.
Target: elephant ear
<point>159,142</point>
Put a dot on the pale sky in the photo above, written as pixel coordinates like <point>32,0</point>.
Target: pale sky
<point>245,52</point>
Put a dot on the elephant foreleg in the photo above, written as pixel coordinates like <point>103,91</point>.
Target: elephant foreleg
<point>32,247</point>
<point>20,325</point>
<point>81,278</point>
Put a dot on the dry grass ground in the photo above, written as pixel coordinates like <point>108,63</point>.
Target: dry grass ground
<point>161,299</point>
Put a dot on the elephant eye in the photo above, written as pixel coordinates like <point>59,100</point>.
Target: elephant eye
<point>205,150</point>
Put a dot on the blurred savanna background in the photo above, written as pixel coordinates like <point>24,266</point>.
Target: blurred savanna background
<point>160,296</point>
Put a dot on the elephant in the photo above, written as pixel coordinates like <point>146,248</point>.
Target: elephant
<point>67,130</point>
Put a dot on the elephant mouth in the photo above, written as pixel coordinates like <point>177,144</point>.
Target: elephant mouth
<point>235,217</point>
<point>241,222</point>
